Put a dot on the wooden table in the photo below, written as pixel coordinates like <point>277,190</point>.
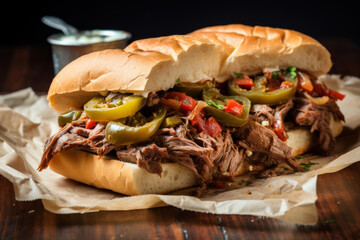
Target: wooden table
<point>337,204</point>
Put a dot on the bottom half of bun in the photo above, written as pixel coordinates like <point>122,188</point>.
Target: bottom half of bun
<point>129,179</point>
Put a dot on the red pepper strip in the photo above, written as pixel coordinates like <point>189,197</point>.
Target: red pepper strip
<point>187,103</point>
<point>209,126</point>
<point>279,127</point>
<point>90,124</point>
<point>233,107</point>
<point>336,95</point>
<point>319,89</point>
<point>244,82</point>
<point>322,90</point>
<point>213,128</point>
<point>200,122</point>
<point>199,117</point>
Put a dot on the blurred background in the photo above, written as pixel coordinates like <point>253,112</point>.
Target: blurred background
<point>154,18</point>
<point>327,21</point>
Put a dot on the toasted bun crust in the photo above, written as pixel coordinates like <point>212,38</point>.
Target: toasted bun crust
<point>121,177</point>
<point>129,179</point>
<point>211,53</point>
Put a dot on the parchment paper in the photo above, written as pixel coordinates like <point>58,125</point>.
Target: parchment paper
<point>26,121</point>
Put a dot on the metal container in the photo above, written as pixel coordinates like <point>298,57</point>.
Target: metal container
<point>66,48</point>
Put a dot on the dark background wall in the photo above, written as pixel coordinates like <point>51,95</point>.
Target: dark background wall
<point>319,19</point>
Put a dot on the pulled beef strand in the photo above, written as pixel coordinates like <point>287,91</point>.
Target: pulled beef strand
<point>302,112</point>
<point>318,118</point>
<point>201,153</point>
<point>149,157</point>
<point>197,151</point>
<point>50,146</point>
<point>259,139</point>
<point>74,135</point>
<point>282,110</point>
<point>262,112</point>
<point>153,99</point>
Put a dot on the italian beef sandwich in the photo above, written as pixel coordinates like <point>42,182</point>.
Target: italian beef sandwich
<point>177,111</point>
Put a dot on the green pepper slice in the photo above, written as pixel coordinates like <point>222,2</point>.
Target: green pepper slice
<point>259,95</point>
<point>171,121</point>
<point>68,117</point>
<point>228,119</point>
<point>100,110</point>
<point>120,133</point>
<point>192,89</point>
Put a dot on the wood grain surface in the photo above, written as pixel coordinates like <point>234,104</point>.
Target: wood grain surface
<point>337,204</point>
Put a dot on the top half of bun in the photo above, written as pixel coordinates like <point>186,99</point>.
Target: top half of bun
<point>210,53</point>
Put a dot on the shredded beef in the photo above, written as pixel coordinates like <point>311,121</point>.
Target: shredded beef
<point>263,141</point>
<point>262,112</point>
<point>201,153</point>
<point>74,135</point>
<point>318,118</point>
<point>149,157</point>
<point>153,99</point>
<point>282,110</point>
<point>229,157</point>
<point>299,111</point>
<point>187,146</point>
<point>198,155</point>
<point>80,131</point>
<point>53,145</point>
<point>267,173</point>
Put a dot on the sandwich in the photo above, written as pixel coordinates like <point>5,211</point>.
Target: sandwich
<point>177,111</point>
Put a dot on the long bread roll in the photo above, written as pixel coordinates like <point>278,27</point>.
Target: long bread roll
<point>157,64</point>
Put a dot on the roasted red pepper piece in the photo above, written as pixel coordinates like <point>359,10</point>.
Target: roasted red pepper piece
<point>213,128</point>
<point>198,118</point>
<point>322,90</point>
<point>187,102</point>
<point>90,124</point>
<point>279,129</point>
<point>244,81</point>
<point>209,126</point>
<point>335,95</point>
<point>233,107</point>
